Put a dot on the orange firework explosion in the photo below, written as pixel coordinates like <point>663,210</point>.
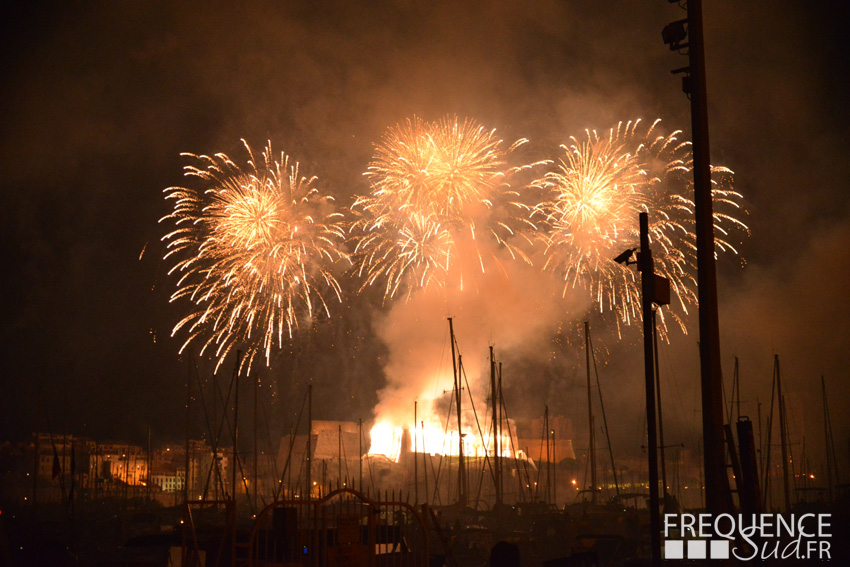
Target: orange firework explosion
<point>253,249</point>
<point>590,213</point>
<point>433,185</point>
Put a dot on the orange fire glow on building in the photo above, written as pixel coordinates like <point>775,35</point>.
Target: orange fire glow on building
<point>432,437</point>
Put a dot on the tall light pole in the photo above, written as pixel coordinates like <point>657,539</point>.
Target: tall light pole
<point>717,491</point>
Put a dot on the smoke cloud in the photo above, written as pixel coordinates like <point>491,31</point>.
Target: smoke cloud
<point>512,306</point>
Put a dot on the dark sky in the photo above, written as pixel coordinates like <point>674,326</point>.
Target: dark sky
<point>99,100</point>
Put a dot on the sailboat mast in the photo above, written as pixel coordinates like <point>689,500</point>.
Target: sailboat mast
<point>235,425</point>
<point>604,417</point>
<point>256,424</point>
<point>495,403</point>
<point>499,438</point>
<point>827,437</point>
<point>339,455</point>
<point>737,392</point>
<point>461,471</point>
<point>460,467</point>
<point>782,435</point>
<point>425,462</point>
<point>307,455</point>
<point>360,441</point>
<point>548,456</point>
<point>592,450</point>
<point>415,450</point>
<point>554,471</point>
<point>186,462</point>
<point>147,465</point>
<point>768,499</point>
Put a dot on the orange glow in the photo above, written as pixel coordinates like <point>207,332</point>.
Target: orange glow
<point>386,440</point>
<point>434,439</point>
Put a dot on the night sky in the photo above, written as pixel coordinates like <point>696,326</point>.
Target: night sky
<point>100,99</point>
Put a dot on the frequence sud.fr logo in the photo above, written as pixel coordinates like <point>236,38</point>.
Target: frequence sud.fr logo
<point>747,537</point>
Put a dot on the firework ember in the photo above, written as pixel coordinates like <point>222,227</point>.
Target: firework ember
<point>253,248</point>
<point>435,187</point>
<point>594,195</point>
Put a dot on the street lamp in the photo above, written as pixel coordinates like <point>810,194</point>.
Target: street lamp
<point>651,285</point>
<point>675,33</point>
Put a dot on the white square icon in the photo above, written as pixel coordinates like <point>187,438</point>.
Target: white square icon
<point>674,549</point>
<point>696,549</point>
<point>719,549</point>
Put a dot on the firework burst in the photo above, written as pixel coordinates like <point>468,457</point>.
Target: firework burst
<point>253,248</point>
<point>590,214</point>
<point>435,186</point>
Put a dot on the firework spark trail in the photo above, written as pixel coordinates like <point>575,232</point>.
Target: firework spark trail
<point>590,214</point>
<point>254,250</point>
<point>435,186</point>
